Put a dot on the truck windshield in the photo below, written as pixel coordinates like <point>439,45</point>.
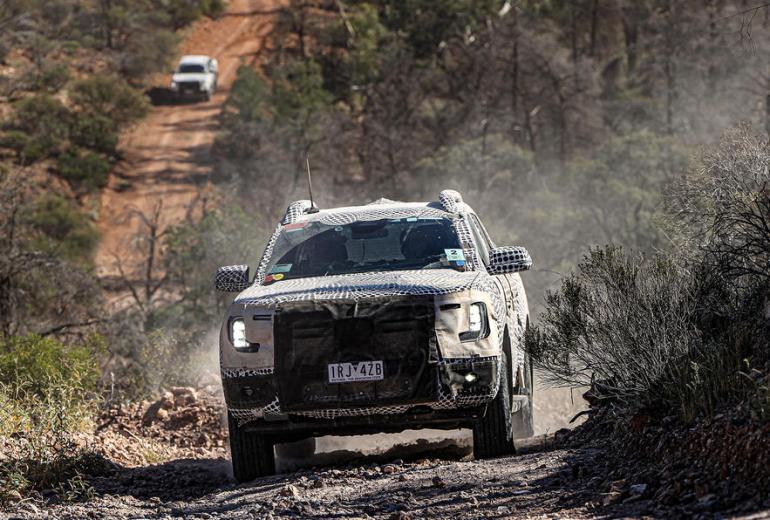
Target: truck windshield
<point>309,249</point>
<point>191,68</point>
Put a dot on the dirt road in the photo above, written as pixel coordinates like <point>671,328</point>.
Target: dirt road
<point>535,484</point>
<point>167,156</point>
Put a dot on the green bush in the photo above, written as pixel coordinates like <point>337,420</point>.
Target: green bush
<point>52,78</point>
<point>86,171</point>
<point>95,132</point>
<point>213,8</point>
<point>44,368</point>
<point>109,97</point>
<point>15,140</point>
<point>185,12</point>
<point>46,122</point>
<point>48,391</point>
<point>68,233</point>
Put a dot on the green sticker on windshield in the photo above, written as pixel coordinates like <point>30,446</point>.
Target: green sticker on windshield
<point>280,268</point>
<point>454,255</point>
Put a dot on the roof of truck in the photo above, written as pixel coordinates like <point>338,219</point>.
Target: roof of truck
<point>376,211</point>
<point>195,58</point>
<point>450,203</point>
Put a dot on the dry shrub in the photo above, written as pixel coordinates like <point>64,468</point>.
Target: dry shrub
<point>685,332</point>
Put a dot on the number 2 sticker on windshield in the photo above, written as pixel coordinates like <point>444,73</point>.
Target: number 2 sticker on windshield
<point>454,255</point>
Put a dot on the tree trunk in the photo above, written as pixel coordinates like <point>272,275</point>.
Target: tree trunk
<point>594,26</point>
<point>669,69</point>
<point>516,125</point>
<point>631,37</point>
<point>711,74</point>
<point>573,31</point>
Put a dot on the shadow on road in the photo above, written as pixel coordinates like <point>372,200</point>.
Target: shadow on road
<point>188,479</point>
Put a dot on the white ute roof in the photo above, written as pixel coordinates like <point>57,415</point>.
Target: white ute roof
<point>197,59</point>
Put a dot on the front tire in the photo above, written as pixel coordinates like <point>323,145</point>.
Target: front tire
<point>252,453</point>
<point>493,433</point>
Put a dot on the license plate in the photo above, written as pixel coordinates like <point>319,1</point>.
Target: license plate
<point>352,372</point>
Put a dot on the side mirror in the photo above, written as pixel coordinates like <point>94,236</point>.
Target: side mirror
<point>232,278</point>
<point>510,259</point>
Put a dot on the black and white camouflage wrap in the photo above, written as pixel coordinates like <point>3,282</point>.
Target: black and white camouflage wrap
<point>232,278</point>
<point>503,260</point>
<point>451,200</point>
<point>509,302</point>
<point>445,401</point>
<point>296,211</point>
<point>371,286</point>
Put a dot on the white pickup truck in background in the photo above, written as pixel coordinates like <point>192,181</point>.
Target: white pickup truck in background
<point>195,76</point>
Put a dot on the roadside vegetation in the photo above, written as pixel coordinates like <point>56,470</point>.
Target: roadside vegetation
<point>681,332</point>
<point>72,76</point>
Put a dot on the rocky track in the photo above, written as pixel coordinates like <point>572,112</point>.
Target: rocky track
<point>168,459</point>
<point>540,484</point>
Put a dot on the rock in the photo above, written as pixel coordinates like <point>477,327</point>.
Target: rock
<point>638,489</point>
<point>161,415</point>
<point>290,490</point>
<point>438,482</point>
<point>14,496</point>
<point>319,483</point>
<point>184,395</point>
<point>151,414</point>
<point>612,498</point>
<point>389,469</point>
<point>167,401</point>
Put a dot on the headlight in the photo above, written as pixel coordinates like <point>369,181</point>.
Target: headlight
<point>238,333</point>
<point>238,336</point>
<point>478,323</point>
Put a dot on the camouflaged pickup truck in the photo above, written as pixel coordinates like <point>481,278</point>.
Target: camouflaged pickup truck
<point>376,318</point>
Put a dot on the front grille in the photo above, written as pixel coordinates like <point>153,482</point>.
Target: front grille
<point>398,333</point>
<point>189,86</point>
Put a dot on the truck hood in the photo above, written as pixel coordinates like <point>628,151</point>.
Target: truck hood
<point>198,76</point>
<point>361,286</point>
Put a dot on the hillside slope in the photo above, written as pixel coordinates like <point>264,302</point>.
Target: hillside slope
<point>167,155</point>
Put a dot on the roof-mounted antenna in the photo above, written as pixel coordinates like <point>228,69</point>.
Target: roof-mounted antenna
<point>313,208</point>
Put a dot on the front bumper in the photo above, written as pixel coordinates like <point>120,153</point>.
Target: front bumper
<point>191,88</point>
<point>461,390</point>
